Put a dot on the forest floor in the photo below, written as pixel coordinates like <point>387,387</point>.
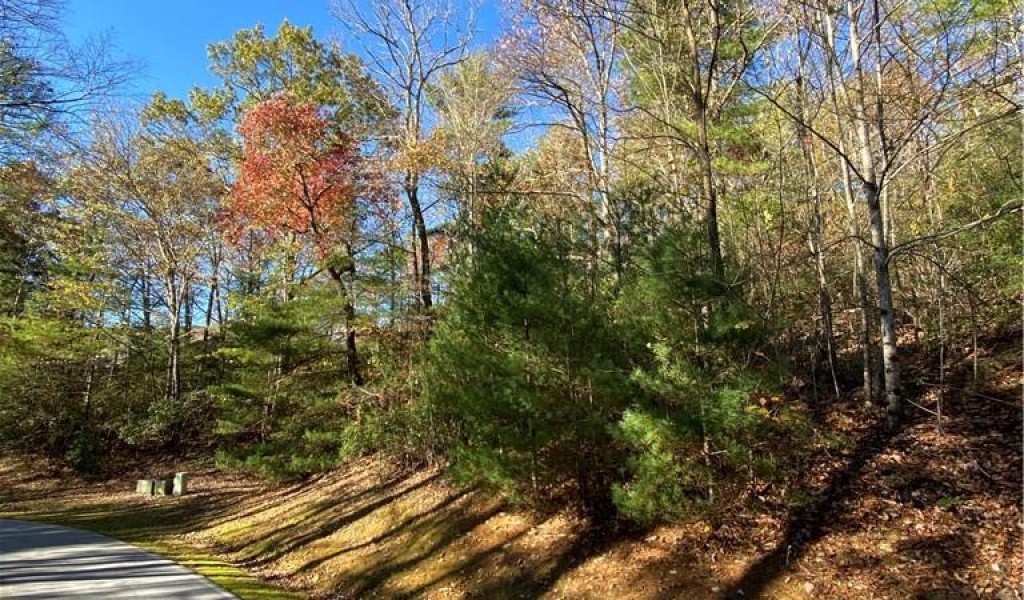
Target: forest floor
<point>922,512</point>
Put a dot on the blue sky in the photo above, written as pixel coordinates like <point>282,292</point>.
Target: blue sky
<point>169,37</point>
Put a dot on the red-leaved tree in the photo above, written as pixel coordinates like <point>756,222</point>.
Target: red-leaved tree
<point>302,178</point>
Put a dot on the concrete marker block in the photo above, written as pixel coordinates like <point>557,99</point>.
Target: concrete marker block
<point>180,484</point>
<point>162,487</point>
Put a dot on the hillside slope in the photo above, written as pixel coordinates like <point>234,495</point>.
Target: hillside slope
<point>919,513</point>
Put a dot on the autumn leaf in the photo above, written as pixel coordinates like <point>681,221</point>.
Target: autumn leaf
<point>299,175</point>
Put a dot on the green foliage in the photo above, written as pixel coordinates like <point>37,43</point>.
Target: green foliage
<point>660,487</point>
<point>83,453</point>
<point>42,369</point>
<point>991,276</point>
<point>253,67</point>
<point>403,431</point>
<point>524,373</point>
<point>280,408</point>
<point>533,381</point>
<point>697,424</point>
<point>580,345</point>
<point>24,256</point>
<point>81,393</point>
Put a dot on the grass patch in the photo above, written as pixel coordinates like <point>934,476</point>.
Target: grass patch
<point>227,576</point>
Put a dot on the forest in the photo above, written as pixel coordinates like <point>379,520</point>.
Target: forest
<point>629,258</point>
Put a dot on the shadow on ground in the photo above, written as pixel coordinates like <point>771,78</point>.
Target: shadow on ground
<point>919,512</point>
<point>929,511</point>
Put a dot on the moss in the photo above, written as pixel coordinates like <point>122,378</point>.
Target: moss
<point>227,576</point>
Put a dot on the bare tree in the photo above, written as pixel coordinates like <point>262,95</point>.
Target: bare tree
<point>410,43</point>
<point>47,84</point>
<point>812,179</point>
<point>566,55</point>
<point>891,72</point>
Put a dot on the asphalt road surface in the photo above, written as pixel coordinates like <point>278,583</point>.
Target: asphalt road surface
<point>47,562</point>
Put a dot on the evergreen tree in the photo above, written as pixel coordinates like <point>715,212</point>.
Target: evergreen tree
<point>525,373</point>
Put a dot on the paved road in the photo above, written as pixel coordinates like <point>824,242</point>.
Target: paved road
<point>46,562</point>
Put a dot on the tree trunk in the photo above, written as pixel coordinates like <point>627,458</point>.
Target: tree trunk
<point>860,280</point>
<point>860,284</point>
<point>890,360</point>
<point>421,241</point>
<point>814,233</point>
<point>173,298</point>
<point>212,299</point>
<point>188,301</point>
<point>351,351</point>
<point>211,296</point>
<point>90,373</point>
<point>707,180</point>
<point>872,194</point>
<point>147,304</point>
<point>824,297</point>
<point>291,268</point>
<point>16,305</point>
<point>219,309</point>
<point>173,358</point>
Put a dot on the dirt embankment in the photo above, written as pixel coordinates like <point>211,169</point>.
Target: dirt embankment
<point>922,513</point>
